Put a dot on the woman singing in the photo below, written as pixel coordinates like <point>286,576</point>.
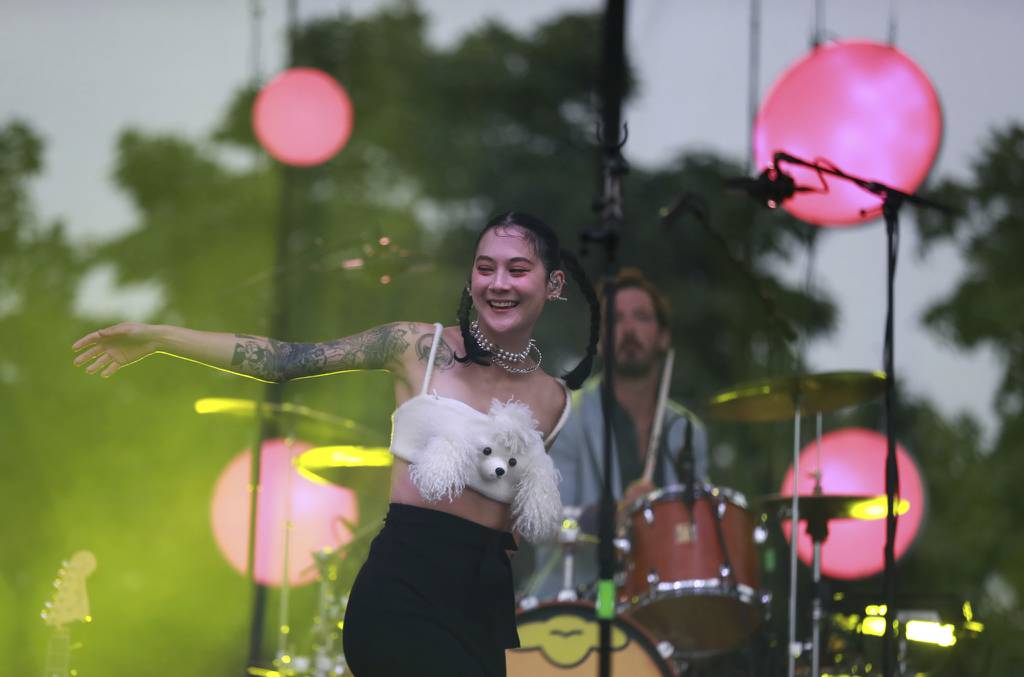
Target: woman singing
<point>474,415</point>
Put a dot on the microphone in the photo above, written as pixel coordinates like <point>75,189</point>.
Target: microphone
<point>772,186</point>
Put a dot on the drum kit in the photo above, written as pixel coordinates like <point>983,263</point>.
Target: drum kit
<point>690,594</point>
<point>689,588</point>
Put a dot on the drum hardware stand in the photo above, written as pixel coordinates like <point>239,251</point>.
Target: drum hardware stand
<point>283,627</point>
<point>328,659</point>
<point>793,648</point>
<point>817,529</point>
<point>567,537</point>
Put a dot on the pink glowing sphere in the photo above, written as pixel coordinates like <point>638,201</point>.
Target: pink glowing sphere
<point>303,117</point>
<point>314,510</point>
<point>862,106</point>
<point>853,462</point>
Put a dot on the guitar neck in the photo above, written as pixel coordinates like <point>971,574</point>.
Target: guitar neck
<point>58,653</point>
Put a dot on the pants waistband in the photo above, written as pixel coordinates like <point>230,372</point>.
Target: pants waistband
<point>443,526</point>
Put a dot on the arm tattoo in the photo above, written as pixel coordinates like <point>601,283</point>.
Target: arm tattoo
<point>274,360</point>
<point>443,359</point>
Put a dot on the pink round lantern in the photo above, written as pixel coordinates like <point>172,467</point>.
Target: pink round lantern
<point>853,462</point>
<point>315,511</point>
<point>862,106</point>
<point>303,117</point>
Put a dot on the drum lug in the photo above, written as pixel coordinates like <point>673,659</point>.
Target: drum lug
<point>760,535</point>
<point>622,545</point>
<point>725,572</point>
<point>653,578</point>
<point>721,509</point>
<point>666,649</point>
<point>648,515</point>
<point>529,602</point>
<point>567,596</point>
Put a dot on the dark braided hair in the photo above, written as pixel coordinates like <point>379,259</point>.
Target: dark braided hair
<point>553,257</point>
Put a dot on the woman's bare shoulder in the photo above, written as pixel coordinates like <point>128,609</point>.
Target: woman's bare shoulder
<point>422,340</point>
<point>552,390</point>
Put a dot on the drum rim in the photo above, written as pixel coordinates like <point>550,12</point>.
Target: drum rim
<point>711,587</point>
<point>667,664</point>
<point>701,490</point>
<point>758,601</point>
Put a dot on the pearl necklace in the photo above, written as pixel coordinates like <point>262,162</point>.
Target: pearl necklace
<point>504,358</point>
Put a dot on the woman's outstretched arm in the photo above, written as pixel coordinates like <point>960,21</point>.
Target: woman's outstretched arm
<point>107,350</point>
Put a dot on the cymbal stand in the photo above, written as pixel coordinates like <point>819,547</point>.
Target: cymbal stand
<point>328,659</point>
<point>283,627</point>
<point>794,648</point>
<point>818,533</point>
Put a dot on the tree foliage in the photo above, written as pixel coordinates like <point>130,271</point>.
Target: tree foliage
<point>984,309</point>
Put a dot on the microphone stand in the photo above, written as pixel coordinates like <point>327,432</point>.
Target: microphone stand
<point>685,464</point>
<point>892,201</point>
<point>610,205</point>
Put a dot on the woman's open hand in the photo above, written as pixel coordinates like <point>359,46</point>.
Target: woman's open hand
<point>107,350</point>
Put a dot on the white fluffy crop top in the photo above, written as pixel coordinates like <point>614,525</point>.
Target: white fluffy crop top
<point>500,454</point>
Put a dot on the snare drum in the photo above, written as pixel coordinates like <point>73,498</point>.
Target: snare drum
<point>562,638</point>
<point>691,576</point>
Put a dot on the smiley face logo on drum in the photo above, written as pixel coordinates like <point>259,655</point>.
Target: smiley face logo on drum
<point>560,639</point>
<point>567,639</point>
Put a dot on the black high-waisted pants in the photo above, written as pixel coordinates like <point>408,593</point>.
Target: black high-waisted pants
<point>434,597</point>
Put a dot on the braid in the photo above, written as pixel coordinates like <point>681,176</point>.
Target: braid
<point>575,378</point>
<point>474,353</point>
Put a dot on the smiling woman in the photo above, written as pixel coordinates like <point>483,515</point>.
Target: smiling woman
<point>474,416</point>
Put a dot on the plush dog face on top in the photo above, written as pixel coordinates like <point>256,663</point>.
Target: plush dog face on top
<point>497,463</point>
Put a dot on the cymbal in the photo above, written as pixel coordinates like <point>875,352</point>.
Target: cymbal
<point>776,399</point>
<point>346,464</point>
<point>284,411</point>
<point>833,506</point>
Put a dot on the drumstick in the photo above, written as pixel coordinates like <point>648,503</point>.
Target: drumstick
<point>659,410</point>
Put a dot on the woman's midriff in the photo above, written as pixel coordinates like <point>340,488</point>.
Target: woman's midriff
<point>469,505</point>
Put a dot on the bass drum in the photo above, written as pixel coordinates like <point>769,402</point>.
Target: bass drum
<point>562,638</point>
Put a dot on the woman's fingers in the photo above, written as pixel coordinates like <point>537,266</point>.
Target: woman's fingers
<point>86,340</point>
<point>102,361</point>
<point>111,368</point>
<point>84,357</point>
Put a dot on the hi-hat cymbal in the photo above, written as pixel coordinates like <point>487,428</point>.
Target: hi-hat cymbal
<point>776,399</point>
<point>345,465</point>
<point>833,506</point>
<point>284,412</point>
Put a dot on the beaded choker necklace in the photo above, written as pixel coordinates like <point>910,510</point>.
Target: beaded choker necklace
<point>504,358</point>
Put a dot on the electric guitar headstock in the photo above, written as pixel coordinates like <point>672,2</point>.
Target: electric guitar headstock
<point>69,603</point>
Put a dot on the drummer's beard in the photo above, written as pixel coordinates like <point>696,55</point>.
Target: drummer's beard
<point>634,361</point>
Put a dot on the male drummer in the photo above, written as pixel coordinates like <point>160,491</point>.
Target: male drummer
<point>642,340</point>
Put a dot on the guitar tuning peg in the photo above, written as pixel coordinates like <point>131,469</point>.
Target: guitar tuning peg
<point>56,583</point>
<point>43,615</point>
<point>48,605</point>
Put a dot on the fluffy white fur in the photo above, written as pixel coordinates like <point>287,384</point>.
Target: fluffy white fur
<point>537,506</point>
<point>445,448</point>
<point>441,470</point>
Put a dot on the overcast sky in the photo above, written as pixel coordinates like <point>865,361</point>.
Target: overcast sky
<point>80,72</point>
